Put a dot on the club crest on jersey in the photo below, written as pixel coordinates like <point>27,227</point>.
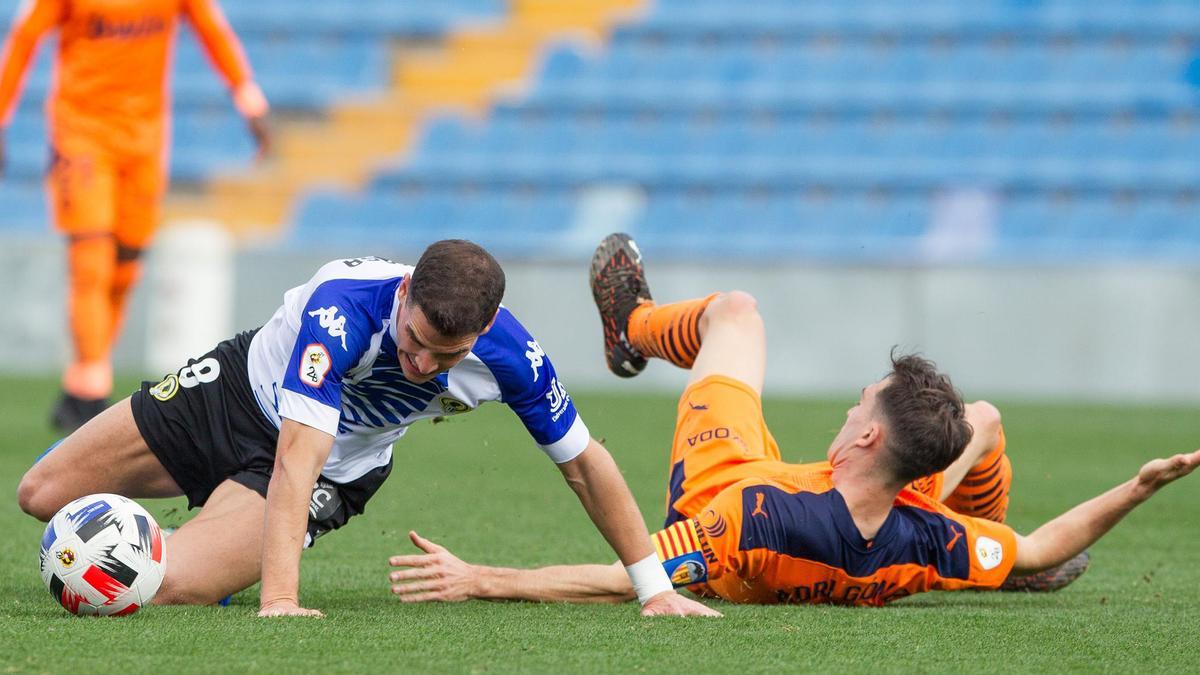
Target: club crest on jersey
<point>536,357</point>
<point>165,390</point>
<point>452,406</point>
<point>314,365</point>
<point>330,321</point>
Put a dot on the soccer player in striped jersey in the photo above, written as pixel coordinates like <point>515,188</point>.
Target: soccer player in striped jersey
<point>108,116</point>
<point>283,433</point>
<point>870,525</point>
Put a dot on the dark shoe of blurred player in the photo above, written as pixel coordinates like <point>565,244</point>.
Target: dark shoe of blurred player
<point>72,412</point>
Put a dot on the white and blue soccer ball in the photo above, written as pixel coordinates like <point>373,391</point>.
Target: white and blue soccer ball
<point>103,555</point>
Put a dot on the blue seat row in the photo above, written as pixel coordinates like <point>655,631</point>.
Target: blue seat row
<point>999,16</point>
<point>772,225</point>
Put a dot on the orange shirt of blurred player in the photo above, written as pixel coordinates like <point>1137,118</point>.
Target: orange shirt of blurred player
<point>109,82</point>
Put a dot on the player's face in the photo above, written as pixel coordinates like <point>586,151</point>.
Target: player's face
<point>859,420</point>
<point>423,352</point>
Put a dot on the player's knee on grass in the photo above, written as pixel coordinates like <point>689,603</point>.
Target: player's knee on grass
<point>736,307</point>
<point>36,495</point>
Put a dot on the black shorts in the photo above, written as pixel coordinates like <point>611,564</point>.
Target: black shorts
<point>204,426</point>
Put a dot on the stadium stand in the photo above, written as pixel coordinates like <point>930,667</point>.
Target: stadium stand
<point>829,130</point>
<point>1011,129</point>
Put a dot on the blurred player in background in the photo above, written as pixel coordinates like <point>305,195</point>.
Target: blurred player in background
<point>107,119</point>
<point>870,525</point>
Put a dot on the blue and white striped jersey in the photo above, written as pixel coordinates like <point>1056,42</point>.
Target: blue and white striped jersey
<point>327,359</point>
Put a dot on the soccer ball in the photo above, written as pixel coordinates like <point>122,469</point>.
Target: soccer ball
<point>103,555</point>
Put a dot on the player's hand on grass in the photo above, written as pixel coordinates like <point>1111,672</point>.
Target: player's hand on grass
<point>670,603</point>
<point>287,608</point>
<point>1159,472</point>
<point>437,575</point>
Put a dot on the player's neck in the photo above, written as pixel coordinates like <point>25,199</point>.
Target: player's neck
<point>867,498</point>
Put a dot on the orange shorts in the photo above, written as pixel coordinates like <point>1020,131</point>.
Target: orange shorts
<point>95,191</point>
<point>720,439</point>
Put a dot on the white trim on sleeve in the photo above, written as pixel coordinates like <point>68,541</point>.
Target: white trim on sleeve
<point>308,412</point>
<point>574,442</point>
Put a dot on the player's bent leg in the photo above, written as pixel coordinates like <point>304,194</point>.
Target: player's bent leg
<point>984,419</point>
<point>217,553</point>
<point>733,341</point>
<point>983,491</point>
<point>107,454</point>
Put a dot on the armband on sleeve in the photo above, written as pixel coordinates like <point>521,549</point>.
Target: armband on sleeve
<point>684,553</point>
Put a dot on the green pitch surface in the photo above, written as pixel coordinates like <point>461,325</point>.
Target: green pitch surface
<point>477,485</point>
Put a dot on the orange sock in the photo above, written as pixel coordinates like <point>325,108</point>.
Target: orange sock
<point>983,492</point>
<point>670,332</point>
<point>91,262</point>
<point>127,273</point>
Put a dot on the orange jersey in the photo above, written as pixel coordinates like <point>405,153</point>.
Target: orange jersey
<point>109,82</point>
<point>788,537</point>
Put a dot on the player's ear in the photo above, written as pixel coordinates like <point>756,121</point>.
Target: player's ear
<point>402,290</point>
<point>872,436</point>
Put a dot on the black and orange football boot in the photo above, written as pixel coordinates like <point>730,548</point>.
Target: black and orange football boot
<point>618,285</point>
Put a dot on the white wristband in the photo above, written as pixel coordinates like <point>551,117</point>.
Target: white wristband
<point>648,578</point>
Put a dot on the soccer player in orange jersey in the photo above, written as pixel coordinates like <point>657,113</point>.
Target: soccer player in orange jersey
<point>108,135</point>
<point>870,525</point>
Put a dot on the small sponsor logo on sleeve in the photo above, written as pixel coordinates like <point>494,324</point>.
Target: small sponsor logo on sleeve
<point>315,365</point>
<point>989,552</point>
<point>558,399</point>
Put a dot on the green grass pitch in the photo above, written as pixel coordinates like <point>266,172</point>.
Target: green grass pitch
<point>478,485</point>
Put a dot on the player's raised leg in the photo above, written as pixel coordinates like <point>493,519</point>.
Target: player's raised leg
<point>720,435</point>
<point>107,454</point>
<point>217,553</point>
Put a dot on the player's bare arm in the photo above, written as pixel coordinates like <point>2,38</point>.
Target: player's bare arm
<point>437,575</point>
<point>594,477</point>
<point>1064,537</point>
<point>299,456</point>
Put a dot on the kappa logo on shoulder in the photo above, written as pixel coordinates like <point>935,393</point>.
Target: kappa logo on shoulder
<point>536,357</point>
<point>330,321</point>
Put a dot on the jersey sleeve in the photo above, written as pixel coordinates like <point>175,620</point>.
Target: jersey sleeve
<point>34,18</point>
<point>992,549</point>
<point>333,336</point>
<point>685,553</point>
<point>530,387</point>
<point>710,540</point>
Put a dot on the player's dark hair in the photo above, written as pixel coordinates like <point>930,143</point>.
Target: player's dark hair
<point>458,286</point>
<point>926,420</point>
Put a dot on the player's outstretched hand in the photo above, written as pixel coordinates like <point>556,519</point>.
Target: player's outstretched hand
<point>670,603</point>
<point>288,608</point>
<point>1159,472</point>
<point>437,575</point>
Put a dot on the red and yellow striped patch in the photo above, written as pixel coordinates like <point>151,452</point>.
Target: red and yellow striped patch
<point>677,540</point>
